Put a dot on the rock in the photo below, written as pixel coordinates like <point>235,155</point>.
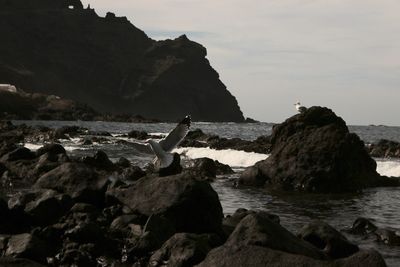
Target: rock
<point>21,153</point>
<point>314,152</point>
<point>133,173</point>
<point>27,246</point>
<point>204,167</point>
<point>174,168</point>
<point>123,162</point>
<point>257,256</point>
<point>184,249</point>
<point>362,226</point>
<point>85,232</point>
<point>53,149</point>
<point>326,238</point>
<point>385,149</point>
<point>67,131</point>
<point>139,135</point>
<point>230,222</point>
<point>100,161</point>
<point>12,262</point>
<point>257,229</point>
<point>48,207</point>
<point>223,169</point>
<point>77,180</point>
<point>363,258</point>
<point>169,72</point>
<point>191,205</point>
<point>388,237</point>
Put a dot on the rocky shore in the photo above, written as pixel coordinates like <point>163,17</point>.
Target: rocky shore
<point>60,210</point>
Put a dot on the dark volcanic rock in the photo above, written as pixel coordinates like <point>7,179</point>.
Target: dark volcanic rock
<point>27,246</point>
<point>54,149</point>
<point>12,262</point>
<point>314,151</point>
<point>257,256</point>
<point>184,249</point>
<point>328,239</point>
<point>362,226</point>
<point>191,205</point>
<point>385,149</point>
<point>76,180</point>
<point>21,153</point>
<point>126,67</point>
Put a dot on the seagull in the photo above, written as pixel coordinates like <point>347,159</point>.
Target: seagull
<point>300,108</point>
<point>163,148</point>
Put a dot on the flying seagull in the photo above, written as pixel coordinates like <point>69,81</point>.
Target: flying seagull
<point>300,108</point>
<point>163,148</point>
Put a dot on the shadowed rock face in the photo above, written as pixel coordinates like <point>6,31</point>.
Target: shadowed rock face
<point>315,152</point>
<point>108,63</point>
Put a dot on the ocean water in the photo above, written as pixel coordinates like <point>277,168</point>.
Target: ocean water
<point>381,205</point>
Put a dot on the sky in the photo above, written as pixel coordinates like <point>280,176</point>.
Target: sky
<point>343,54</point>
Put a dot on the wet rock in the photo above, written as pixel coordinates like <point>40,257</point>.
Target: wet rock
<point>85,232</point>
<point>48,207</point>
<point>133,173</point>
<point>100,160</point>
<point>53,149</point>
<point>223,169</point>
<point>191,205</point>
<point>121,223</point>
<point>76,257</point>
<point>79,181</point>
<point>12,262</point>
<point>326,238</point>
<point>174,168</point>
<point>3,168</point>
<point>257,229</point>
<point>27,246</point>
<point>99,133</point>
<point>204,167</point>
<point>362,226</point>
<point>257,256</point>
<point>123,162</point>
<point>139,135</point>
<point>184,249</point>
<point>363,258</point>
<point>385,149</point>
<point>230,222</point>
<point>87,142</point>
<point>388,237</point>
<point>68,131</point>
<point>21,153</point>
<point>315,152</point>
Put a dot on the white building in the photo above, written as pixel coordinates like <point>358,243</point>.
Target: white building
<point>8,88</point>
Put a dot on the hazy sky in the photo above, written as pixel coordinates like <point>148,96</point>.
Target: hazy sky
<point>344,54</point>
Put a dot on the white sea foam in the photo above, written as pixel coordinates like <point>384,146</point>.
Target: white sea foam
<point>32,147</point>
<point>234,158</point>
<point>388,168</point>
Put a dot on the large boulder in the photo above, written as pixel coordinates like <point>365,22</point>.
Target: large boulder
<point>256,256</point>
<point>259,241</point>
<point>314,151</point>
<point>328,239</point>
<point>79,181</point>
<point>27,246</point>
<point>190,205</point>
<point>184,249</point>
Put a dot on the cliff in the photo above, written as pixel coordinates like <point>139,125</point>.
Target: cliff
<point>58,47</point>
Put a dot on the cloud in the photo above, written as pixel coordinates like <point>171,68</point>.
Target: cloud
<point>269,52</point>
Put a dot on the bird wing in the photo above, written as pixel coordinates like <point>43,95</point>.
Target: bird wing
<point>176,136</point>
<point>143,148</point>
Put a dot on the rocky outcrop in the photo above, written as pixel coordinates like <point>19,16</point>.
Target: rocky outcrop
<point>259,241</point>
<point>315,152</point>
<point>108,63</point>
<point>384,149</point>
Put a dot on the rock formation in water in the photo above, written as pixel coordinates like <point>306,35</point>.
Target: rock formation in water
<point>58,47</point>
<point>315,152</point>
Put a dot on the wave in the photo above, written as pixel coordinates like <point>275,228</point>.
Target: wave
<point>34,147</point>
<point>388,167</point>
<point>233,158</point>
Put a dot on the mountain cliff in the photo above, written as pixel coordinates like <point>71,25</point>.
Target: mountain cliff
<point>59,47</point>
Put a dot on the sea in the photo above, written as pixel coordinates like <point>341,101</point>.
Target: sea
<point>381,205</point>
